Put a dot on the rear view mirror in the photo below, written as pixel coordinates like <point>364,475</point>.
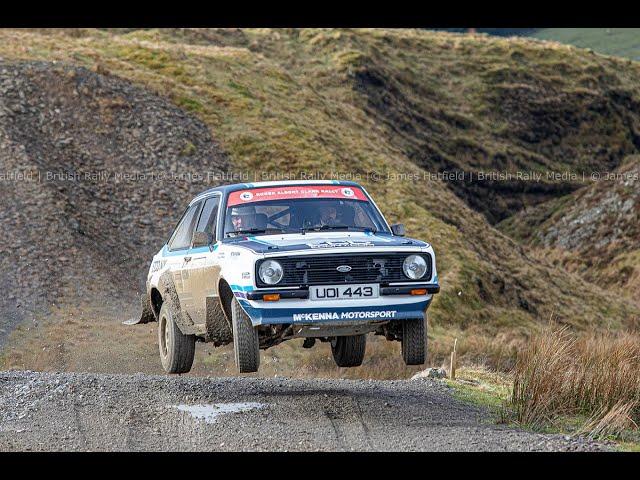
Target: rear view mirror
<point>398,229</point>
<point>201,239</point>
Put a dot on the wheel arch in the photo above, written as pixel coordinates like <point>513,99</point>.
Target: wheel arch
<point>225,294</point>
<point>167,292</point>
<point>156,301</point>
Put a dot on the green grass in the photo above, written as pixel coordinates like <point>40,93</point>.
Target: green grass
<point>622,42</point>
<point>629,446</point>
<point>190,104</point>
<point>482,387</point>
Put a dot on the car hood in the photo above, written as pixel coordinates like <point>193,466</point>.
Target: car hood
<point>321,241</point>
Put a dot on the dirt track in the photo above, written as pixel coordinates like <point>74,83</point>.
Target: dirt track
<point>69,411</point>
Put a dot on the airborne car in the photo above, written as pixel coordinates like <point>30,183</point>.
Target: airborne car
<point>257,264</point>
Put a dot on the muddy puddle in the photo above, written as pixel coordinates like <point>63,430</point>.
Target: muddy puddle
<point>211,412</point>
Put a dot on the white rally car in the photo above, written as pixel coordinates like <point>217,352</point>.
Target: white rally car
<point>260,263</point>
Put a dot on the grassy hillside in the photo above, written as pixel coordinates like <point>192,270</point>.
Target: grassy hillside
<point>622,42</point>
<point>385,108</point>
<point>472,104</point>
<point>594,231</point>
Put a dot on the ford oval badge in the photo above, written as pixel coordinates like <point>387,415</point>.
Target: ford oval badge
<point>344,268</point>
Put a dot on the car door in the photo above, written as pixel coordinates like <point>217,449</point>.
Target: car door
<point>178,249</point>
<point>202,270</point>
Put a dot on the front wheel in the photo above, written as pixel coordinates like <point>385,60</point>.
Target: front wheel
<point>414,341</point>
<point>177,350</point>
<point>246,345</point>
<point>349,351</point>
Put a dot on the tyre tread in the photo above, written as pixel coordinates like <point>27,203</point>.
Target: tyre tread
<point>414,341</point>
<point>180,359</point>
<point>349,351</point>
<point>245,340</point>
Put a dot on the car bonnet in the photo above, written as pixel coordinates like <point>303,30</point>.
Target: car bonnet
<point>320,241</point>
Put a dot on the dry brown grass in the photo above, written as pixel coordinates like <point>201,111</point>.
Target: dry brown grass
<point>593,375</point>
<point>610,422</point>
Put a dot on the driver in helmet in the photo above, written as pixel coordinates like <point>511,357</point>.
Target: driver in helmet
<point>328,214</point>
<point>242,218</point>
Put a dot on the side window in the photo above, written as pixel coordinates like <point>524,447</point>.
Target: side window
<point>207,221</point>
<point>182,237</point>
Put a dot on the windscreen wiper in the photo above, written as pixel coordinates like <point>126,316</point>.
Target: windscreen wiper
<point>341,227</point>
<point>365,229</point>
<point>254,230</point>
<point>330,227</point>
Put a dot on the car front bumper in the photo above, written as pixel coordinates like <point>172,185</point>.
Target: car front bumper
<point>297,309</point>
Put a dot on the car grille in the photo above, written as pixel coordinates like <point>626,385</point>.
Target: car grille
<point>306,270</point>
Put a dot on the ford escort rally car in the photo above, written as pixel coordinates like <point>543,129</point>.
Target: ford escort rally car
<point>256,264</point>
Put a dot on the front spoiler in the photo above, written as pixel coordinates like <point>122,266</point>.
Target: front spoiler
<point>310,315</point>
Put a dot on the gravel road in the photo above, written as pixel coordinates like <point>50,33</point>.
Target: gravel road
<point>71,411</point>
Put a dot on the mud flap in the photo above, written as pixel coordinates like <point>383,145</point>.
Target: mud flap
<point>219,330</point>
<point>147,313</point>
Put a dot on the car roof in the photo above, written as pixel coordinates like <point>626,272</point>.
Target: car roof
<point>225,189</point>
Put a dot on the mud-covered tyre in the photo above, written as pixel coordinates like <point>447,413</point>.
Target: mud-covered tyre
<point>349,351</point>
<point>177,350</point>
<point>246,346</point>
<point>414,341</point>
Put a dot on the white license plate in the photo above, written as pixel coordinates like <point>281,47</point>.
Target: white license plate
<point>344,292</point>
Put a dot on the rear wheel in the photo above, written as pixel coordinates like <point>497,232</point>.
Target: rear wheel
<point>414,341</point>
<point>349,351</point>
<point>245,340</point>
<point>177,350</point>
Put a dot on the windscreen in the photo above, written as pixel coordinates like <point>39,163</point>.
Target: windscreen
<point>292,209</point>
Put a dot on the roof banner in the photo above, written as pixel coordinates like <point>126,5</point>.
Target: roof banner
<point>290,192</point>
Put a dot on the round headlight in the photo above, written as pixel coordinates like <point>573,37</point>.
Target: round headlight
<point>414,267</point>
<point>270,272</point>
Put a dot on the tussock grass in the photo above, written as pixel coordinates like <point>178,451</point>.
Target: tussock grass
<point>610,422</point>
<point>594,375</point>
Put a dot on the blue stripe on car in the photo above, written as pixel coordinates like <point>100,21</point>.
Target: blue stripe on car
<point>184,251</point>
<point>262,242</point>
